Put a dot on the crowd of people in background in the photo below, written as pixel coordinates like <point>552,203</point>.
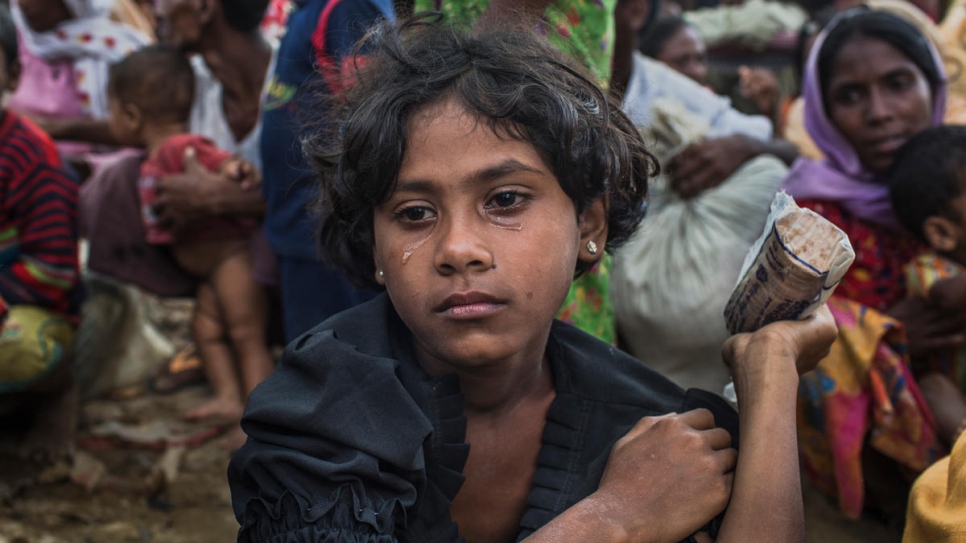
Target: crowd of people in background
<point>245,153</point>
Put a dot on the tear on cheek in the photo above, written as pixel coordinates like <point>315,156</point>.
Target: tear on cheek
<point>502,221</point>
<point>413,247</point>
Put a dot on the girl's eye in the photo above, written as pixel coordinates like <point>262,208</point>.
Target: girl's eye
<point>415,213</point>
<point>505,199</point>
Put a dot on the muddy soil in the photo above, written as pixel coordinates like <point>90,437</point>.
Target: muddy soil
<point>124,490</point>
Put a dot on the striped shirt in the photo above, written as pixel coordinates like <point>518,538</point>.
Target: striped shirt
<point>38,219</point>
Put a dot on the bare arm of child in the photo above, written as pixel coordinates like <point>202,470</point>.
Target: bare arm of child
<point>766,504</point>
<point>199,194</point>
<point>85,130</point>
<point>632,505</point>
<point>949,293</point>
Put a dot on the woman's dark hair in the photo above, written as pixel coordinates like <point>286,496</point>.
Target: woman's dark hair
<point>928,174</point>
<point>8,37</point>
<point>515,83</point>
<point>244,15</point>
<point>653,39</point>
<point>881,25</point>
<point>809,30</point>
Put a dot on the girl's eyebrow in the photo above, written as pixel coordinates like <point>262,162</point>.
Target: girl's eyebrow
<point>486,175</point>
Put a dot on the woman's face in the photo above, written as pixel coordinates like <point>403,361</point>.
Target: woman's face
<point>878,99</point>
<point>44,15</point>
<point>685,52</point>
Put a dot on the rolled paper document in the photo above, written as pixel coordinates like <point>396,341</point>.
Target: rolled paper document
<point>790,271</point>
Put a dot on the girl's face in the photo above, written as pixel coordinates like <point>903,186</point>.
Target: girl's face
<point>478,243</point>
<point>685,53</point>
<point>878,99</point>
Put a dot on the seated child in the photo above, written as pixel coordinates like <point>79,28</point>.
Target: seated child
<point>150,93</point>
<point>38,276</point>
<point>927,189</point>
<point>471,177</point>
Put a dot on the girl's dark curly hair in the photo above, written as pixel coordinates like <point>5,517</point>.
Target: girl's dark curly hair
<point>516,83</point>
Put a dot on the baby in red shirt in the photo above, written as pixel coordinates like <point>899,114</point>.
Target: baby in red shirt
<point>150,95</point>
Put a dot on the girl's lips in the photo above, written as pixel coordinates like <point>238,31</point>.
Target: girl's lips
<point>469,305</point>
<point>473,311</point>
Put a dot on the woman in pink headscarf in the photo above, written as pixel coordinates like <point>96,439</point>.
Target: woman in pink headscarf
<point>872,82</point>
<point>66,47</point>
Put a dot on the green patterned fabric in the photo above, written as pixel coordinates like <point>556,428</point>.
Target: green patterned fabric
<point>583,28</point>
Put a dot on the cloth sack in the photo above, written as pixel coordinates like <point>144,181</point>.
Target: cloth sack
<point>672,279</point>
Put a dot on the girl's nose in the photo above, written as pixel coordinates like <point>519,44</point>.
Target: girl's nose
<point>461,247</point>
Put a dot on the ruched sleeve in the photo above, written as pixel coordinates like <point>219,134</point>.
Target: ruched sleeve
<point>335,449</point>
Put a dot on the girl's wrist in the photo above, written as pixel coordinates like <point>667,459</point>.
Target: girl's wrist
<point>766,372</point>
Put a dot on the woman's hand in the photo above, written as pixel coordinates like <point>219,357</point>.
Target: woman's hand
<point>929,327</point>
<point>199,194</point>
<point>667,477</point>
<point>705,165</point>
<point>760,85</point>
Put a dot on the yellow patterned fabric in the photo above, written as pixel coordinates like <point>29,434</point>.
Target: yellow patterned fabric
<point>937,503</point>
<point>862,393</point>
<point>33,341</point>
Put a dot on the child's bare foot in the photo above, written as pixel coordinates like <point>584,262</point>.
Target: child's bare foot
<point>217,408</point>
<point>946,403</point>
<point>51,434</point>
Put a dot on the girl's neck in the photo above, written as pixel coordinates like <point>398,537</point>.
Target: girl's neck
<point>497,388</point>
<point>154,136</point>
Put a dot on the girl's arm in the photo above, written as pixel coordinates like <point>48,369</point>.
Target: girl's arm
<point>696,462</point>
<point>766,504</point>
<point>664,480</point>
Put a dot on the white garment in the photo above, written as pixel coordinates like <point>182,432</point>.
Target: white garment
<point>672,279</point>
<point>208,113</point>
<point>91,41</point>
<point>652,80</point>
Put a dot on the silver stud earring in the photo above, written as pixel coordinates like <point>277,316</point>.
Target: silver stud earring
<point>591,247</point>
<point>382,274</point>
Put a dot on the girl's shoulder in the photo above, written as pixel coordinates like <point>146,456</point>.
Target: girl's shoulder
<point>596,371</point>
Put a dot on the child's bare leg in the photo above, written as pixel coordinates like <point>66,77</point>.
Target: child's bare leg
<point>244,305</point>
<point>211,338</point>
<point>946,403</point>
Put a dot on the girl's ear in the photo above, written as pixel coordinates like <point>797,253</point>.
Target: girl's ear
<point>941,233</point>
<point>593,231</point>
<point>380,275</point>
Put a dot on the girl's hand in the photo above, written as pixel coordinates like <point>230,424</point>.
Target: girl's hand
<point>778,349</point>
<point>667,477</point>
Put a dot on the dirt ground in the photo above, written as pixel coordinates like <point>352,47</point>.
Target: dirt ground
<point>142,475</point>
